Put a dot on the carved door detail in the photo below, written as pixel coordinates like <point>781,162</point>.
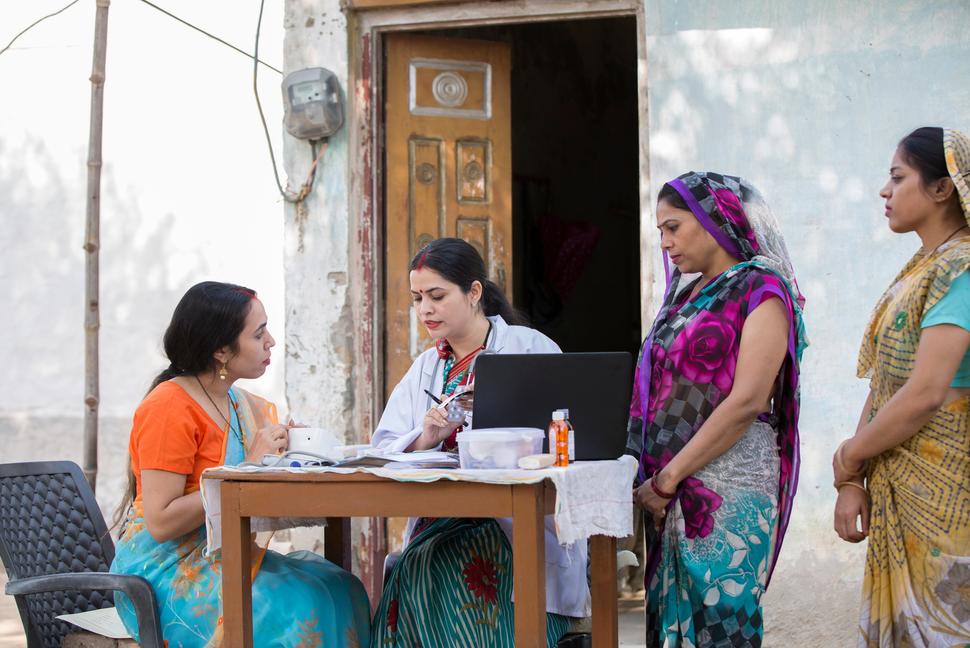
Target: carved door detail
<point>448,168</point>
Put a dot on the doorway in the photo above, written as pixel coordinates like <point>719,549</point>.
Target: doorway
<point>573,186</point>
<point>575,201</point>
<point>576,209</point>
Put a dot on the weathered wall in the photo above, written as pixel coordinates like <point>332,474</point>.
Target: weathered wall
<point>324,328</point>
<point>187,195</point>
<point>320,330</point>
<point>808,100</point>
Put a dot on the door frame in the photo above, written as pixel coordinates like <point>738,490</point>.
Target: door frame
<point>366,27</point>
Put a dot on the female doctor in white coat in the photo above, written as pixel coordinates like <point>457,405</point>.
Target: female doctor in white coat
<point>453,583</point>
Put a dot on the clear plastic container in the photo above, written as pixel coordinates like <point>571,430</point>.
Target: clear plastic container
<point>498,447</point>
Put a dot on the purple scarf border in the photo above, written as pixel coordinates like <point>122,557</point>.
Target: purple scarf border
<point>705,220</point>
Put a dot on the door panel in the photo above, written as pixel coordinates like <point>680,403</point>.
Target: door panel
<point>448,168</point>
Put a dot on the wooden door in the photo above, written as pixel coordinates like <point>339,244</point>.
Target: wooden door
<point>448,168</point>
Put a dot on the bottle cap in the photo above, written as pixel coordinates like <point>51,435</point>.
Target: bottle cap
<point>558,415</point>
<point>565,412</point>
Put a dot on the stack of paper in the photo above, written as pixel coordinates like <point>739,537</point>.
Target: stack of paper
<point>421,459</point>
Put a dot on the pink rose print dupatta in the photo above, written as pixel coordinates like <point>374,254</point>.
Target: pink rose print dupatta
<point>687,362</point>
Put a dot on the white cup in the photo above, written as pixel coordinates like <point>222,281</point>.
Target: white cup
<point>318,441</point>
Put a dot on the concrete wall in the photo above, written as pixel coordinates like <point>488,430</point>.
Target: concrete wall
<point>188,195</point>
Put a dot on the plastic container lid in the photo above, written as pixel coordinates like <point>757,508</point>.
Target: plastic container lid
<point>499,434</point>
<point>559,415</point>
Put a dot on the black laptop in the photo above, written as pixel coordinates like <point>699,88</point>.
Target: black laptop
<point>522,390</point>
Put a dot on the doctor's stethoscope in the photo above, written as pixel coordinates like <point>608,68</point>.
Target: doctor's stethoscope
<point>490,339</point>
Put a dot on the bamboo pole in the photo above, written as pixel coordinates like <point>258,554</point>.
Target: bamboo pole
<point>92,245</point>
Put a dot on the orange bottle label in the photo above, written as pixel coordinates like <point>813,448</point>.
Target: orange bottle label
<point>562,444</point>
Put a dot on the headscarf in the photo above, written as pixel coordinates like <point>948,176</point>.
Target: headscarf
<point>736,214</point>
<point>956,150</point>
<point>925,267</point>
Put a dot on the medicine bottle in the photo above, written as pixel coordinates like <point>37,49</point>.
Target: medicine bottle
<point>559,438</point>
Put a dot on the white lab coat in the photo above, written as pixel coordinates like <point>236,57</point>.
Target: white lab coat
<point>567,591</point>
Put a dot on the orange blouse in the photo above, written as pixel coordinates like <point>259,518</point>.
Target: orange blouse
<point>172,432</point>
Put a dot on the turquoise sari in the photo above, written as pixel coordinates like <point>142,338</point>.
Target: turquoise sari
<point>299,600</point>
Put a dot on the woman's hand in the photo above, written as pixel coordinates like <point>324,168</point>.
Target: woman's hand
<point>645,496</point>
<point>435,429</point>
<point>851,506</point>
<point>271,439</point>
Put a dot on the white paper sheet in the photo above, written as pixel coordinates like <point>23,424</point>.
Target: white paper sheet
<point>104,622</point>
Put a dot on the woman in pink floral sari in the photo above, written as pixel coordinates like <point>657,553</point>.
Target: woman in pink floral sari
<point>714,415</point>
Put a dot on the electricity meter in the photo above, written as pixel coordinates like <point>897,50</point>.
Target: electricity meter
<point>311,98</point>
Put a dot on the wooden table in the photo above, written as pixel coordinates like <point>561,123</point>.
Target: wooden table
<point>331,495</point>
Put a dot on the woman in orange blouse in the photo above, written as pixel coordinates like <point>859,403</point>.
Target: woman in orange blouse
<point>193,418</point>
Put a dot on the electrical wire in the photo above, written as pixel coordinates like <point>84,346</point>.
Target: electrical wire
<point>214,37</point>
<point>289,196</point>
<point>37,22</point>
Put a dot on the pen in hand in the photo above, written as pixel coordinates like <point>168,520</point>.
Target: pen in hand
<point>433,397</point>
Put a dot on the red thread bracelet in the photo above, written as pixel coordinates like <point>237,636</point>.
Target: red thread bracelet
<point>656,489</point>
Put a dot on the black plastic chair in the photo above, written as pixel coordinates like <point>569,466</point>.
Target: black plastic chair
<point>56,549</point>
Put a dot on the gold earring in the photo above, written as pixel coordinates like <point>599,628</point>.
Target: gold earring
<point>222,372</point>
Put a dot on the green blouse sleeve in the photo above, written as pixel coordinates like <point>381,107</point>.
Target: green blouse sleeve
<point>953,307</point>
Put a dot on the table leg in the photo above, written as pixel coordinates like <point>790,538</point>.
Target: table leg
<point>603,588</point>
<point>237,589</point>
<point>336,542</point>
<point>529,565</point>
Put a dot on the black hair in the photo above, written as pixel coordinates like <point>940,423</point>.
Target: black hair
<point>923,150</point>
<point>672,197</point>
<point>457,261</point>
<point>211,315</point>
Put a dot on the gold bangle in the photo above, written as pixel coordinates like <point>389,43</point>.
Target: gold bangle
<point>840,460</point>
<point>839,486</point>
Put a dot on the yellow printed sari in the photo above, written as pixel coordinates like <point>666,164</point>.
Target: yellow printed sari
<point>916,590</point>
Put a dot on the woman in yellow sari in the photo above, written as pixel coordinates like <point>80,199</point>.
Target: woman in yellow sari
<point>904,478</point>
